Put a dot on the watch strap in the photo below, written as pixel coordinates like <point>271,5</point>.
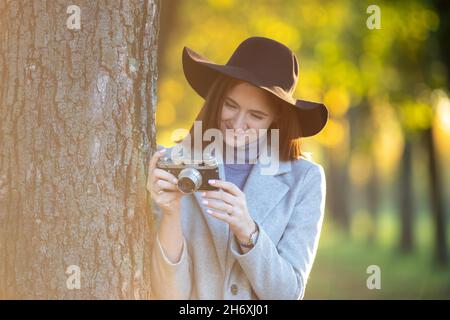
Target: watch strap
<point>250,243</point>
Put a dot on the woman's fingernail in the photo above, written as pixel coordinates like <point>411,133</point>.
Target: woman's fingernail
<point>175,180</point>
<point>204,201</point>
<point>209,211</point>
<point>212,181</point>
<point>162,150</point>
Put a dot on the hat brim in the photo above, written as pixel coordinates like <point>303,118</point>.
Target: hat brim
<point>201,73</point>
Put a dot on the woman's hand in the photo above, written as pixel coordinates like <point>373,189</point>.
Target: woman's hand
<point>163,186</point>
<point>229,205</point>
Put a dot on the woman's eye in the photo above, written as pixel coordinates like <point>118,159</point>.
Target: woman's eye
<point>257,116</point>
<point>230,106</point>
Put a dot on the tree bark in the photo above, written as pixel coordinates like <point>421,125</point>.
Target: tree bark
<point>76,132</point>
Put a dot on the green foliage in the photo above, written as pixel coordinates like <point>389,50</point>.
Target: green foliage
<point>339,271</point>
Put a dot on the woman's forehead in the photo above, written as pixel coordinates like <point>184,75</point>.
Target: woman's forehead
<point>249,96</point>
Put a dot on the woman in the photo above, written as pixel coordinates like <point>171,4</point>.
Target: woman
<point>256,236</point>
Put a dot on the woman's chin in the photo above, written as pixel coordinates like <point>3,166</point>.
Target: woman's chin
<point>236,142</point>
<point>230,143</point>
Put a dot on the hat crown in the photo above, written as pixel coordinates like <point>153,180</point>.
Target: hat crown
<point>270,62</point>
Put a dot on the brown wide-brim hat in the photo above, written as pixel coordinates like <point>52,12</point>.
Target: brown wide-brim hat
<point>264,63</point>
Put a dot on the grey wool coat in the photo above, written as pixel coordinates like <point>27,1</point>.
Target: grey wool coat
<point>288,208</point>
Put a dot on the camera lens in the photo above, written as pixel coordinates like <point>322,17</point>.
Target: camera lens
<point>186,185</point>
<point>189,180</point>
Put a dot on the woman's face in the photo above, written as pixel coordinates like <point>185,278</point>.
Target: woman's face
<point>246,109</point>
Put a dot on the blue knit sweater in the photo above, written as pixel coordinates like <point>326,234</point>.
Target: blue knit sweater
<point>237,172</point>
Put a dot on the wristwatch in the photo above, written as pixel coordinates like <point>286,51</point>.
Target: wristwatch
<point>251,239</point>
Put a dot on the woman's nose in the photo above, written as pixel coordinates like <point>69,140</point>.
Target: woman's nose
<point>239,122</point>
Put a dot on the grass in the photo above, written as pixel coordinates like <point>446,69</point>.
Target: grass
<point>339,271</point>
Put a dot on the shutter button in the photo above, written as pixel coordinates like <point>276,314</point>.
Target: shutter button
<point>234,289</point>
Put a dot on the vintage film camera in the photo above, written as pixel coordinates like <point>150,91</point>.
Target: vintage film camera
<point>193,175</point>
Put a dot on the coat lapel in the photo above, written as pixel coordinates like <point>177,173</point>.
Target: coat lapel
<point>264,191</point>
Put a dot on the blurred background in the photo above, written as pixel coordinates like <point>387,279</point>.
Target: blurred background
<point>386,147</point>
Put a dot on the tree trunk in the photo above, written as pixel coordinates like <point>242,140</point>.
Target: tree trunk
<point>76,132</point>
<point>437,203</point>
<point>406,200</point>
<point>338,183</point>
<point>167,27</point>
<point>373,200</point>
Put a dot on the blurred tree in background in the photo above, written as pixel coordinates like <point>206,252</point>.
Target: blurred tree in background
<point>388,138</point>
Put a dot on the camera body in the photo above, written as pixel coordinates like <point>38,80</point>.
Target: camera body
<point>192,175</point>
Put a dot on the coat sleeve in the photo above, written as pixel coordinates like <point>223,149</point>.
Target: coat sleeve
<point>169,281</point>
<point>281,272</point>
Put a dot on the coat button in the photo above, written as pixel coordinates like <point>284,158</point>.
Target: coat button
<point>234,289</point>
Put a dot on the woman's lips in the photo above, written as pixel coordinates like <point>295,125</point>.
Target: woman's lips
<point>237,132</point>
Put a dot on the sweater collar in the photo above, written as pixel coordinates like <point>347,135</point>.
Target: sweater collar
<point>244,154</point>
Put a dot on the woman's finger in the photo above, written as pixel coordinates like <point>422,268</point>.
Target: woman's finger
<point>155,158</point>
<point>218,205</point>
<point>152,166</point>
<point>221,216</point>
<point>227,186</point>
<point>165,185</point>
<point>164,175</point>
<point>220,195</point>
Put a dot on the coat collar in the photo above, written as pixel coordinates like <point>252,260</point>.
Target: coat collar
<point>263,193</point>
